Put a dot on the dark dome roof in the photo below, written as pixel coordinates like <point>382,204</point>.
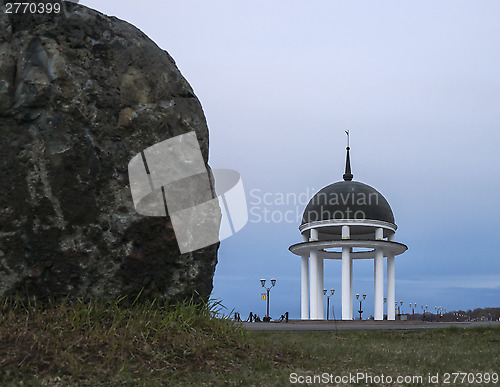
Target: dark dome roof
<point>348,200</point>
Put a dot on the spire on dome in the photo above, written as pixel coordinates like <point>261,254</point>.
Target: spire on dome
<point>348,175</point>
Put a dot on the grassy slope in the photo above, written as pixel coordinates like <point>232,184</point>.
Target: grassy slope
<point>184,344</point>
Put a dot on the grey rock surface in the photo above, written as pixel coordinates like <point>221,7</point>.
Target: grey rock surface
<point>81,93</point>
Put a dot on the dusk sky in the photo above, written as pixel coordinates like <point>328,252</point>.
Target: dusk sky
<point>418,86</point>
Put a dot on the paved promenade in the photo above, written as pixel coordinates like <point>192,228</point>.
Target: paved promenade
<point>297,325</point>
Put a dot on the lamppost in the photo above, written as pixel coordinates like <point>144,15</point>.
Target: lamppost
<point>400,307</point>
<point>385,300</point>
<point>413,308</point>
<point>263,283</point>
<point>328,301</point>
<point>397,309</point>
<point>360,301</point>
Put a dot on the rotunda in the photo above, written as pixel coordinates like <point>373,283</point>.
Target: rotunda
<point>347,220</point>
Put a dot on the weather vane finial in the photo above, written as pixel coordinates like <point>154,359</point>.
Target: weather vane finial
<point>347,175</point>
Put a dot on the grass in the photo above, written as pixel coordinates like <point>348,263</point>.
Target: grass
<point>148,343</point>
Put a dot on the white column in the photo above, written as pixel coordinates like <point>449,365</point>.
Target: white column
<point>346,277</point>
<point>379,285</point>
<point>391,284</point>
<point>346,232</point>
<point>314,280</point>
<point>351,300</point>
<point>304,284</point>
<point>321,283</point>
<point>379,278</point>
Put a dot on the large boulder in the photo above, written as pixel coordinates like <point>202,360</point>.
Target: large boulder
<point>81,93</point>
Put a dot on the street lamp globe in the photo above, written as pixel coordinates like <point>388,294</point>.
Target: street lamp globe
<point>357,296</point>
<point>324,292</point>
<point>273,281</point>
<point>263,282</point>
<point>333,291</point>
<point>364,296</point>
